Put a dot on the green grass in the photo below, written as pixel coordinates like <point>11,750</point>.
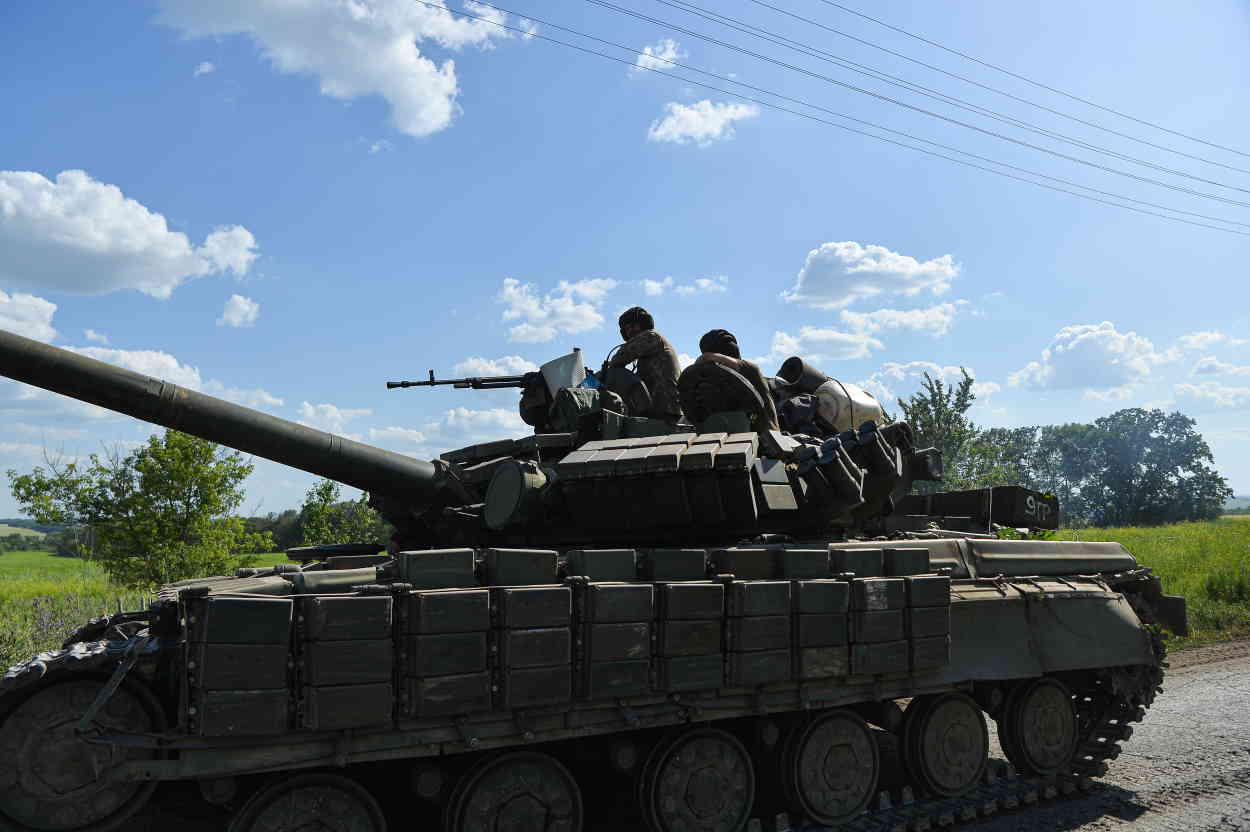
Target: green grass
<point>6,530</point>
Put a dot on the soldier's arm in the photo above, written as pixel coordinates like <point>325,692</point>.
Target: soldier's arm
<point>642,344</point>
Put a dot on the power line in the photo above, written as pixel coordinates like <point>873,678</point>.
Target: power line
<point>949,119</point>
<point>811,117</point>
<point>765,34</point>
<point>1028,80</point>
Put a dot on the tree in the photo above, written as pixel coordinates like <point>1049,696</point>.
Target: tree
<point>938,415</point>
<point>324,518</point>
<point>162,513</point>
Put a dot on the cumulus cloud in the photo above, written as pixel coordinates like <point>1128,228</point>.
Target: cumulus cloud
<point>455,428</point>
<point>95,337</point>
<point>655,288</point>
<point>1213,395</point>
<point>53,433</point>
<point>701,123</point>
<point>27,315</point>
<point>658,56</point>
<point>816,344</point>
<point>935,320</point>
<point>1212,366</point>
<point>396,435</point>
<point>838,274</point>
<point>239,311</point>
<point>1094,357</point>
<point>573,307</point>
<point>331,418</point>
<point>354,49</point>
<point>203,68</point>
<point>85,237</point>
<point>1207,339</point>
<point>704,285</point>
<point>509,365</point>
<point>884,382</point>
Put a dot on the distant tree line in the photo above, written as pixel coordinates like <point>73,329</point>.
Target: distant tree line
<point>24,543</point>
<point>1133,467</point>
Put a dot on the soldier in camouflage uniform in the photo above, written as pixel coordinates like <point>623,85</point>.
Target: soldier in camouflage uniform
<point>721,346</point>
<point>657,362</point>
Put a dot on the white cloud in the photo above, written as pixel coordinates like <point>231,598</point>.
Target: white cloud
<point>658,56</point>
<point>47,432</point>
<point>935,320</point>
<point>95,337</point>
<point>1212,366</point>
<point>701,123</point>
<point>379,146</point>
<point>985,389</point>
<point>203,68</point>
<point>816,344</point>
<point>396,435</point>
<point>655,288</point>
<point>883,382</point>
<point>1093,357</point>
<point>329,417</point>
<point>1210,394</point>
<point>81,236</point>
<point>255,399</point>
<point>705,285</point>
<point>838,274</point>
<point>1207,339</point>
<point>239,311</point>
<point>509,365</point>
<point>354,48</point>
<point>27,315</point>
<point>684,360</point>
<point>573,307</point>
<point>149,362</point>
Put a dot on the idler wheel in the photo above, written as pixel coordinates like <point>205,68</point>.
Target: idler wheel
<point>1037,726</point>
<point>945,743</point>
<point>311,803</point>
<point>699,780</point>
<point>829,766</point>
<point>52,779</point>
<point>522,791</point>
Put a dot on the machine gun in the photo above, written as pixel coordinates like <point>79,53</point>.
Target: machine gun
<point>474,383</point>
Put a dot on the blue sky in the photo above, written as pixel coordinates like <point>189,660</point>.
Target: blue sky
<point>289,203</point>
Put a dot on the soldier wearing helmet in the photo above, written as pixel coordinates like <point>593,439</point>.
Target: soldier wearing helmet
<point>657,362</point>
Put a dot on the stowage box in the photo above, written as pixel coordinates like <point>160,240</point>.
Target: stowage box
<point>330,618</point>
<point>878,594</point>
<point>822,596</point>
<point>257,620</point>
<point>449,611</point>
<point>533,606</point>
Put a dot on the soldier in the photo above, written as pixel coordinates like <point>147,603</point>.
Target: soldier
<point>721,347</point>
<point>657,362</point>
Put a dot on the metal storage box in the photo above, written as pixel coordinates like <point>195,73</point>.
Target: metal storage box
<point>449,611</point>
<point>449,695</point>
<point>922,622</point>
<point>438,568</point>
<point>758,598</point>
<point>822,630</point>
<point>886,657</point>
<point>446,654</point>
<point>694,600</point>
<point>928,591</point>
<point>613,680</point>
<point>348,706</point>
<point>795,563</point>
<point>675,565</point>
<point>237,666</point>
<point>533,606</point>
<point>529,687</point>
<point>617,642</point>
<point>689,638</point>
<point>257,620</point>
<point>769,632</point>
<point>344,618</point>
<point>347,662</point>
<point>518,567</point>
<point>822,596</point>
<point>877,626</point>
<point>541,647</point>
<point>238,713</point>
<point>607,602</point>
<point>878,594</point>
<point>906,561</point>
<point>930,652</point>
<point>865,563</point>
<point>823,662</point>
<point>691,673</point>
<point>747,670</point>
<point>744,562</point>
<point>604,564</point>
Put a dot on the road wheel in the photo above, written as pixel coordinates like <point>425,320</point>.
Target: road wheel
<point>1037,727</point>
<point>830,766</point>
<point>698,780</point>
<point>322,802</point>
<point>52,779</point>
<point>945,743</point>
<point>521,791</point>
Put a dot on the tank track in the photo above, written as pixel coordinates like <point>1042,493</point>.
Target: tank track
<point>76,658</point>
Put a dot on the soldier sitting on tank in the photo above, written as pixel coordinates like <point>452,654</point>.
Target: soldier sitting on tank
<point>721,347</point>
<point>657,363</point>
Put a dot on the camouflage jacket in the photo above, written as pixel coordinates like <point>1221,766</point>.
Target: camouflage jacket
<point>657,367</point>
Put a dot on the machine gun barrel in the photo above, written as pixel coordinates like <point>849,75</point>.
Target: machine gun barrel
<point>474,383</point>
<point>163,403</point>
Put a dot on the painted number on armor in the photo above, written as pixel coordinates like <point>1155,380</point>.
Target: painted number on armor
<point>1034,508</point>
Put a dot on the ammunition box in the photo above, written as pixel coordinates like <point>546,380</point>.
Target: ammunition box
<point>865,563</point>
<point>689,638</point>
<point>823,662</point>
<point>931,652</point>
<point>690,673</point>
<point>617,642</point>
<point>928,591</point>
<point>258,620</point>
<point>449,695</point>
<point>446,654</point>
<point>735,456</point>
<point>533,606</point>
<point>348,706</point>
<point>737,498</point>
<point>607,603</point>
<point>886,657</point>
<point>449,611</point>
<point>699,457</point>
<point>519,567</point>
<point>675,565</point>
<point>878,594</point>
<point>341,619</point>
<point>694,600</point>
<point>923,622</point>
<point>822,596</point>
<point>238,666</point>
<point>535,648</point>
<point>746,670</point>
<point>240,713</point>
<point>604,564</point>
<point>822,630</point>
<point>758,598</point>
<point>905,561</point>
<point>632,462</point>
<point>877,626</point>
<point>795,563</point>
<point>614,680</point>
<point>347,662</point>
<point>340,562</point>
<point>743,562</point>
<point>437,568</point>
<point>768,632</point>
<point>526,688</point>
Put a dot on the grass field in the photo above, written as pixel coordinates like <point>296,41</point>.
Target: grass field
<point>6,530</point>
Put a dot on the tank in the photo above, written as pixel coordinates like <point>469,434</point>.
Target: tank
<point>613,623</point>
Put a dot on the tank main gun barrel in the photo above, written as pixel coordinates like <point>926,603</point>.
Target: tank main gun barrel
<point>163,403</point>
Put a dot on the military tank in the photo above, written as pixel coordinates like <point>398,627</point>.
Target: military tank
<point>616,622</point>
